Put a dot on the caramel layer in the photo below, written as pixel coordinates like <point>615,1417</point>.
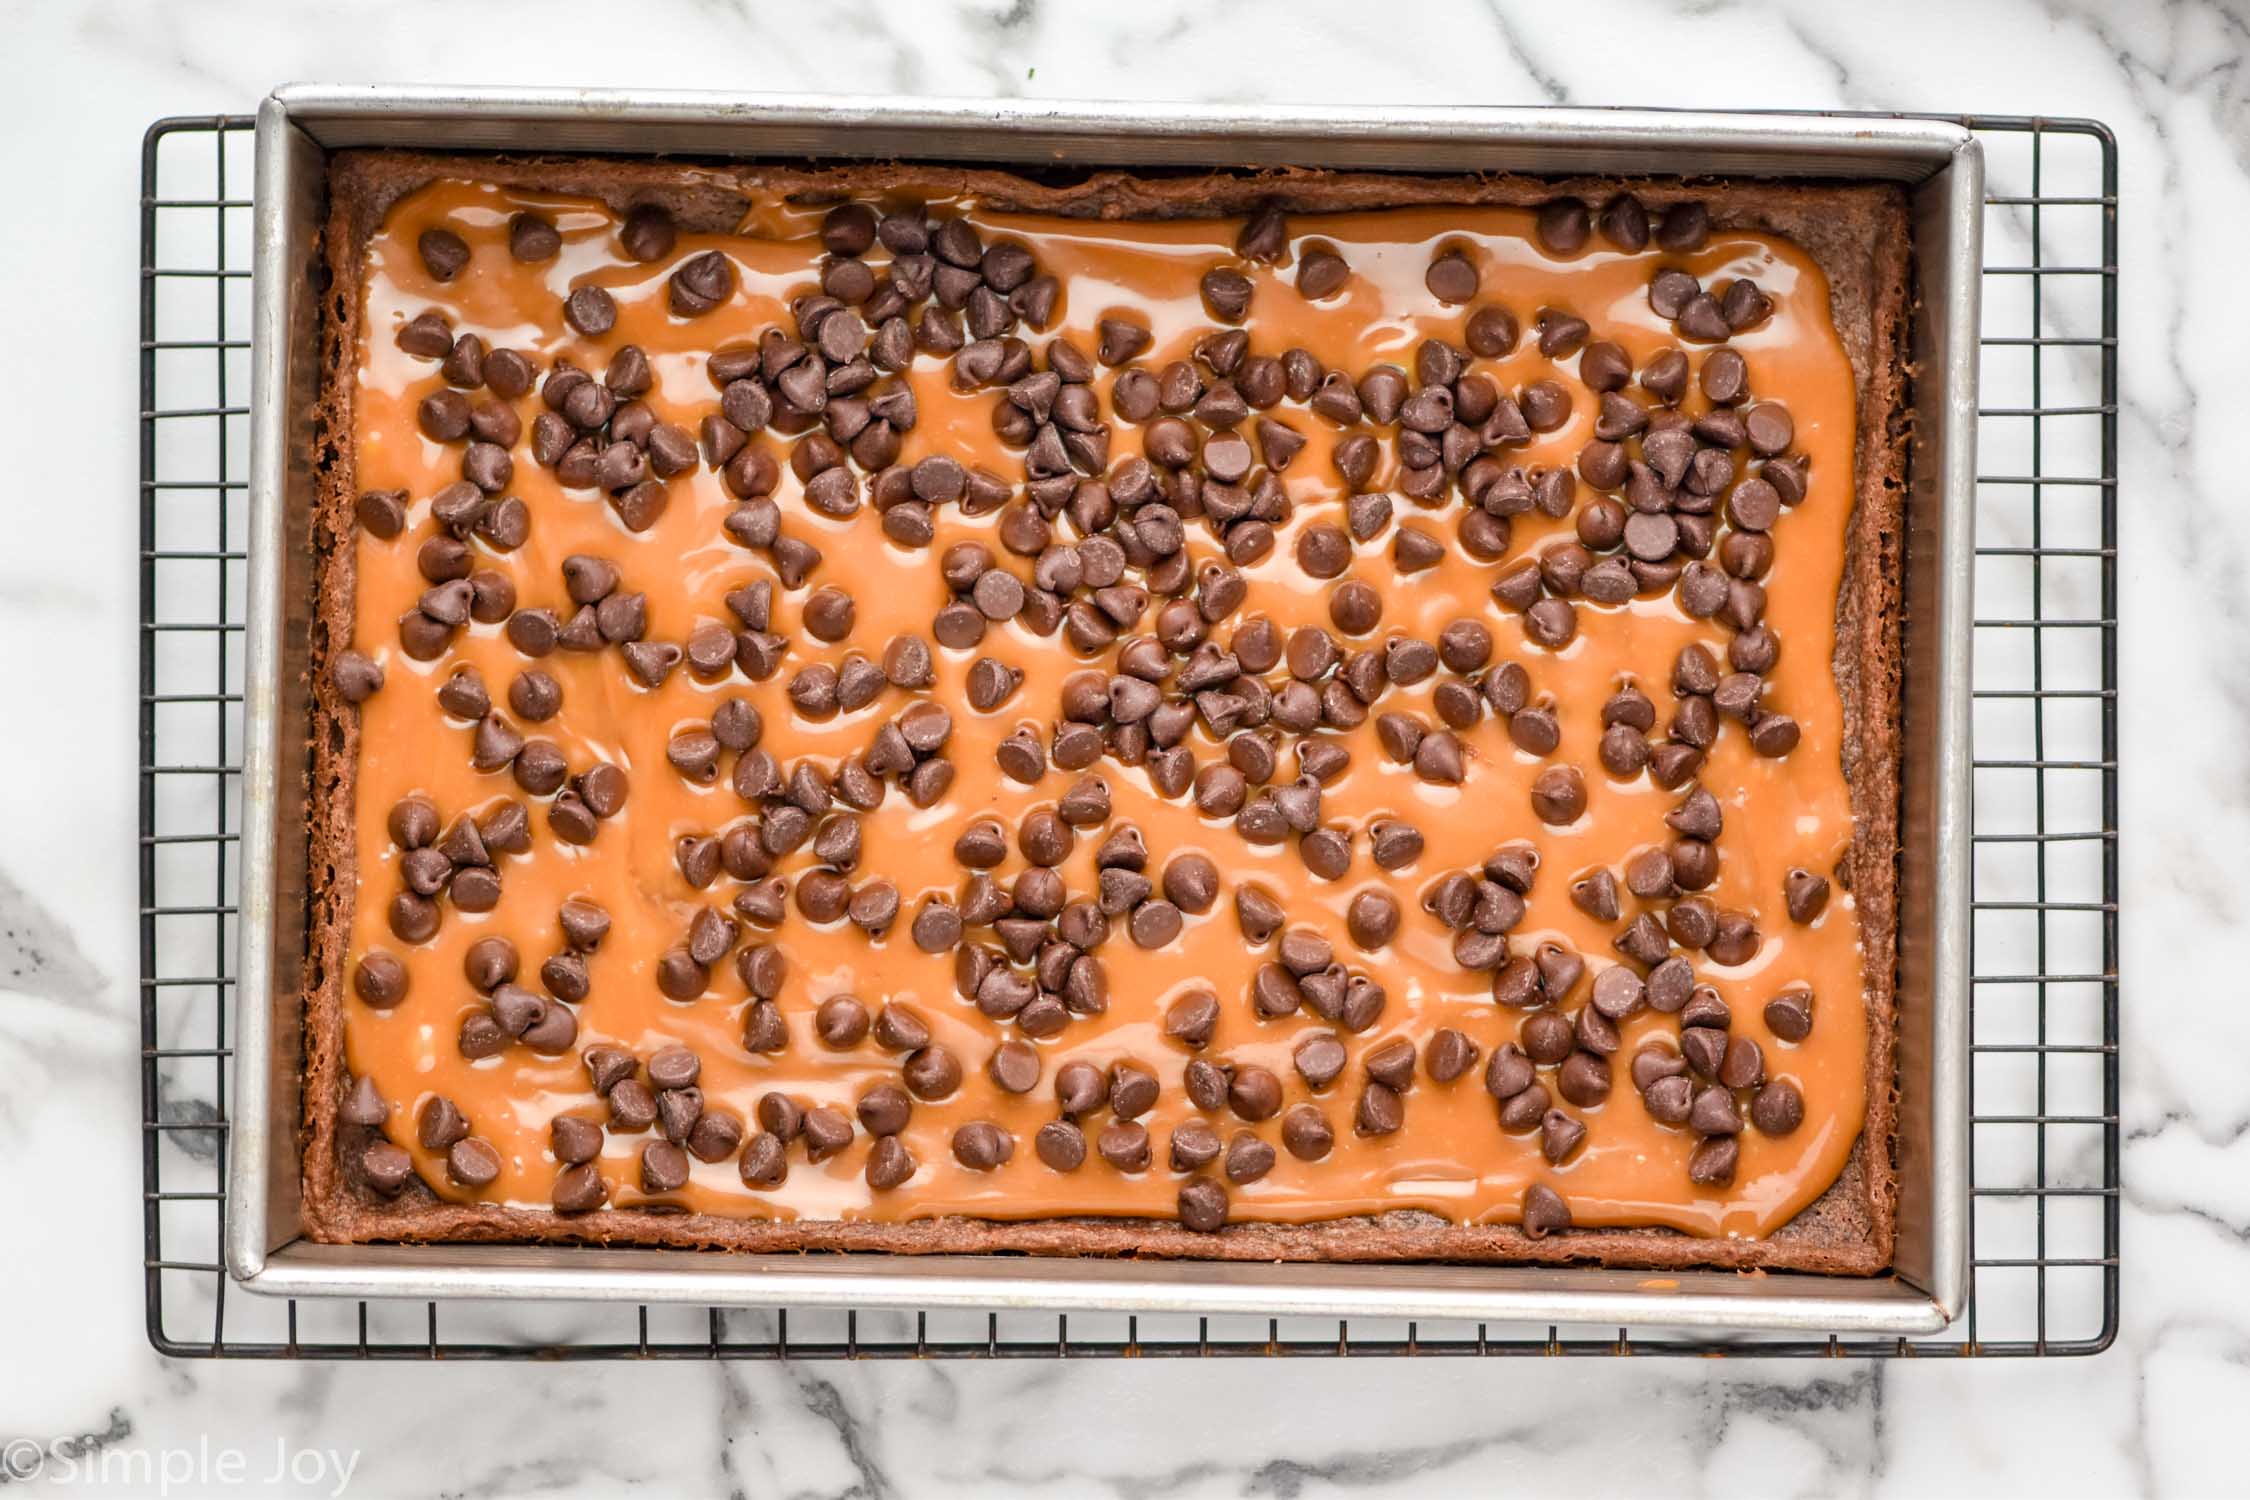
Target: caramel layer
<point>1451,1158</point>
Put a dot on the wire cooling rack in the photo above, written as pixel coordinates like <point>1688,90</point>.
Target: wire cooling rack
<point>2044,1067</point>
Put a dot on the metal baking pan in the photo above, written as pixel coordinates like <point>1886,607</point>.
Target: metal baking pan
<point>1939,163</point>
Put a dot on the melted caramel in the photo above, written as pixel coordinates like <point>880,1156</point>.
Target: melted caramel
<point>1451,1158</point>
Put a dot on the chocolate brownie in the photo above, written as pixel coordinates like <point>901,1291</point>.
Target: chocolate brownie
<point>1294,715</point>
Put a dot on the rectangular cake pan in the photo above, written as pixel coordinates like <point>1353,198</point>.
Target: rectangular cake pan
<point>1939,164</point>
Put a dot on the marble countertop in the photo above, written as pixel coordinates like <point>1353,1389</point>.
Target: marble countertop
<point>78,84</point>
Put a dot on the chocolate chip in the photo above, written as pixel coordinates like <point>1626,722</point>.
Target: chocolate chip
<point>484,1034</point>
<point>1558,795</point>
<point>1753,505</point>
<point>765,1163</point>
<point>1021,757</point>
<point>1191,1019</point>
<point>1744,305</point>
<point>705,281</point>
<point>1274,991</point>
<point>443,253</point>
<point>885,1109</point>
<point>1124,1144</point>
<point>1381,1111</point>
<point>1705,1049</point>
<point>1451,278</point>
<point>874,907</point>
<point>1789,1014</point>
<point>381,513</point>
<point>647,233</point>
<point>1194,1144</point>
<point>1544,1212</point>
<point>1014,1066</point>
<point>1202,1206</point>
<point>1226,293</point>
<point>379,979</point>
<point>1257,912</point>
<point>1684,226</point>
<point>1778,1108</point>
<point>414,918</point>
<point>982,1145</point>
<point>1697,815</point>
<point>1510,1074</point>
<point>1670,291</point>
<point>1254,1093</point>
<point>1321,273</point>
<point>849,229</point>
<point>826,1129</point>
<point>1583,1078</point>
<point>475,890</point>
<point>1724,377</point>
<point>1061,1145</point>
<point>1669,1097</point>
<point>1563,226</point>
<point>1154,924</point>
<point>1702,320</point>
<point>841,1022</point>
<point>443,416</point>
<point>1205,1084</point>
<point>1805,894</point>
<point>1775,735</point>
<point>889,1164</point>
<point>532,238</point>
<point>1714,1112</point>
<point>1712,1163</point>
<point>1546,1035</point>
<point>1133,1090</point>
<point>1372,918</point>
<point>1045,838</point>
<point>1624,222</point>
<point>1560,1135</point>
<point>1392,1064</point>
<point>1550,622</point>
<point>931,1072</point>
<point>1439,758</point>
<point>412,823</point>
<point>440,1123</point>
<point>829,614</point>
<point>714,1136</point>
<point>1248,1158</point>
<point>574,1140</point>
<point>1394,845</point>
<point>1744,1065</point>
<point>763,1028</point>
<point>1618,992</point>
<point>590,310</point>
<point>472,1163</point>
<point>1562,334</point>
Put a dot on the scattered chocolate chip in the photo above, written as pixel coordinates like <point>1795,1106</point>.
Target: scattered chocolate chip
<point>1381,1111</point>
<point>1558,795</point>
<point>1789,1014</point>
<point>1452,278</point>
<point>1712,1163</point>
<point>1544,1211</point>
<point>590,310</point>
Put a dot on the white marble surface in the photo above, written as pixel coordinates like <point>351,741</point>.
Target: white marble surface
<point>2156,1414</point>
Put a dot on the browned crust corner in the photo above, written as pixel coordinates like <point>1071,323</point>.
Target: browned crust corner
<point>1858,233</point>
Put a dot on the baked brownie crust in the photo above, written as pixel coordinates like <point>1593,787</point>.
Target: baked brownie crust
<point>1856,234</point>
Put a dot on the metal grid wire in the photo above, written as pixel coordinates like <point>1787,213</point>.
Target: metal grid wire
<point>2045,1074</point>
